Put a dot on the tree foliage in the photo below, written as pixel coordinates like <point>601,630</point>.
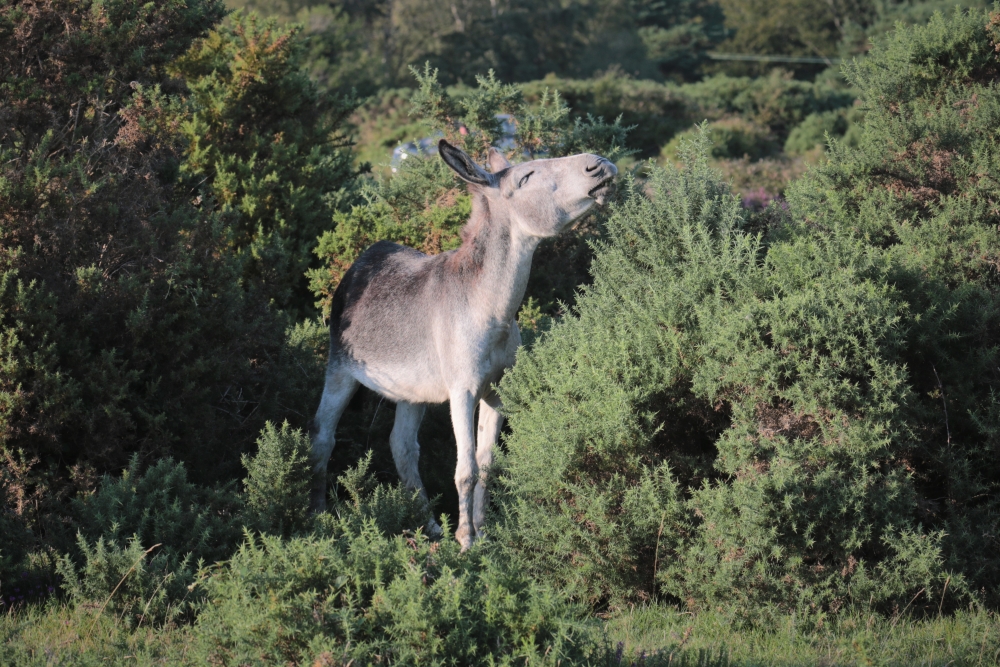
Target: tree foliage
<point>519,40</point>
<point>161,185</point>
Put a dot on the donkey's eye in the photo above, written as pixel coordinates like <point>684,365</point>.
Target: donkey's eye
<point>524,179</point>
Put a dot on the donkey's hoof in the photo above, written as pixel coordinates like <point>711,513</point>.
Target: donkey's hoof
<point>317,503</point>
<point>465,537</point>
<point>433,529</point>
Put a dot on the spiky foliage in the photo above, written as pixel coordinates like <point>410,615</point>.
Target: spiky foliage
<point>160,187</point>
<point>263,147</point>
<point>799,420</point>
<point>278,480</point>
<point>359,595</point>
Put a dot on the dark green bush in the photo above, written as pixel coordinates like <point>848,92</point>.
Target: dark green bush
<point>161,506</point>
<point>392,509</point>
<point>161,187</point>
<point>136,584</point>
<point>777,101</point>
<point>803,420</point>
<point>812,133</point>
<point>263,147</point>
<point>655,111</point>
<point>735,444</point>
<point>731,137</point>
<point>921,189</point>
<point>142,536</point>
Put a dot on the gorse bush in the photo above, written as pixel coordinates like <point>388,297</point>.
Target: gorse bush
<point>842,124</point>
<point>393,510</point>
<point>161,506</point>
<point>141,538</point>
<point>135,584</point>
<point>798,420</point>
<point>278,480</point>
<point>586,495</point>
<point>919,189</point>
<point>730,447</point>
<point>160,190</point>
<point>359,595</point>
<point>264,144</point>
<point>731,137</point>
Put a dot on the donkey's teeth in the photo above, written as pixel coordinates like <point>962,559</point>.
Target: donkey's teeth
<point>601,191</point>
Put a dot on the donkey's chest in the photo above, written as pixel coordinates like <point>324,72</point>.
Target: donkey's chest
<point>492,350</point>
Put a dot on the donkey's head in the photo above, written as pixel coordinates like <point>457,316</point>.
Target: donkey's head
<point>541,197</point>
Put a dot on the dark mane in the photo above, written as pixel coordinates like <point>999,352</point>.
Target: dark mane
<point>468,258</point>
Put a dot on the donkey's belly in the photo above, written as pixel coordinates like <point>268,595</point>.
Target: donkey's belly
<point>413,383</point>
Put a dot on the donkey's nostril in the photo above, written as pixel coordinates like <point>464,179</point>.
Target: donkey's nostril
<point>590,169</point>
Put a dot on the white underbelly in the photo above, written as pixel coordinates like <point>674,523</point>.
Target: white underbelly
<point>413,385</point>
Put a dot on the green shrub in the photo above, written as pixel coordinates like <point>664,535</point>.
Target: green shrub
<point>796,421</point>
<point>916,189</point>
<point>264,147</point>
<point>735,444</point>
<point>392,509</point>
<point>731,137</point>
<point>161,506</point>
<point>278,480</point>
<point>149,244</point>
<point>141,537</point>
<point>134,584</point>
<point>358,595</point>
<point>655,111</point>
<point>812,132</point>
<point>777,101</point>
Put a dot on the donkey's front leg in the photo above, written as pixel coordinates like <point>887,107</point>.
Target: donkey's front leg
<point>463,405</point>
<point>490,421</point>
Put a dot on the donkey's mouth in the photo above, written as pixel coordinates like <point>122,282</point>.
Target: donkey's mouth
<point>601,191</point>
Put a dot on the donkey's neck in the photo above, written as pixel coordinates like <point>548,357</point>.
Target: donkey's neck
<point>495,260</point>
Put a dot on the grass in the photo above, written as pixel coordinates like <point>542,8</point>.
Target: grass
<point>654,636</point>
<point>664,635</point>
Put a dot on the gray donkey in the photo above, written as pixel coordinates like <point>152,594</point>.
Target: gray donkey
<point>422,329</point>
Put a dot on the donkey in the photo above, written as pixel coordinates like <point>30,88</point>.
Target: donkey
<point>421,329</point>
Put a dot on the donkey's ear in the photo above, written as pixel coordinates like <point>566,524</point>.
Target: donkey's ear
<point>462,164</point>
<point>497,161</point>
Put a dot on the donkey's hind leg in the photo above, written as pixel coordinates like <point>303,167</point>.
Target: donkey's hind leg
<point>490,421</point>
<point>406,453</point>
<point>337,392</point>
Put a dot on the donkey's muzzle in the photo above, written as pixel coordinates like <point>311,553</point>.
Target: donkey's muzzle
<point>604,171</point>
